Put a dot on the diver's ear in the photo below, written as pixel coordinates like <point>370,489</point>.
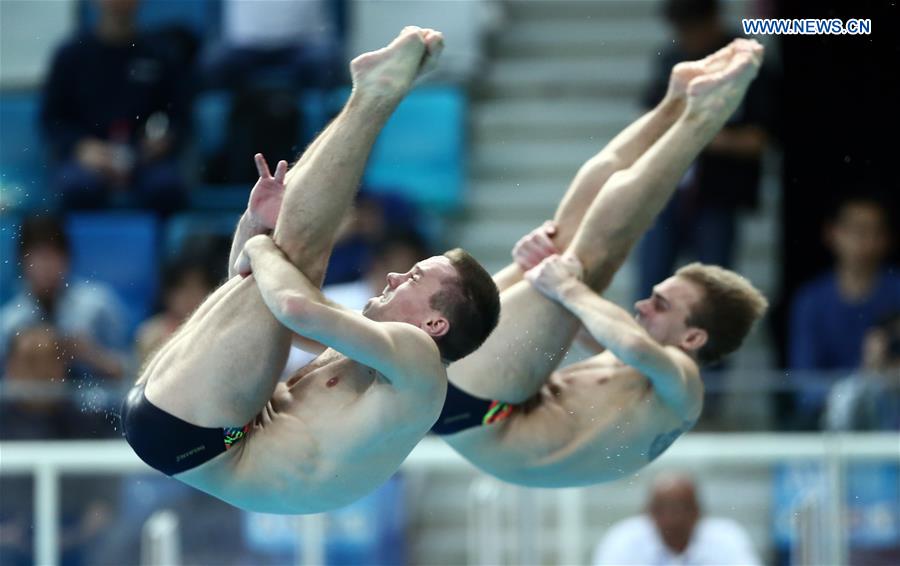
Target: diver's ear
<point>436,326</point>
<point>693,339</point>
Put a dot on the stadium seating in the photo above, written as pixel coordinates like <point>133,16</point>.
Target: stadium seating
<point>23,161</point>
<point>201,16</point>
<point>210,120</point>
<point>182,227</point>
<point>119,249</point>
<point>104,248</point>
<point>9,261</point>
<point>421,153</point>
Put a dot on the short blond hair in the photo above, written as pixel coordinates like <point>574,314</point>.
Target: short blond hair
<point>727,312</point>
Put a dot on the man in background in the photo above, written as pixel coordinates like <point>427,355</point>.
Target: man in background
<point>831,314</point>
<point>114,114</point>
<point>674,531</point>
<point>870,398</point>
<point>89,317</point>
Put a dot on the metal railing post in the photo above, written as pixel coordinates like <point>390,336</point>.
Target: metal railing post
<point>529,526</point>
<point>160,540</point>
<point>484,522</point>
<point>835,478</point>
<point>47,551</point>
<point>311,529</point>
<point>570,504</point>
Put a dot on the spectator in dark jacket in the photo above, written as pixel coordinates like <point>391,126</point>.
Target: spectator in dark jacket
<point>702,215</point>
<point>114,113</point>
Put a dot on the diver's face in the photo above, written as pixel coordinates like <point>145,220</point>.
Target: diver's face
<point>859,237</point>
<point>675,514</point>
<point>45,268</point>
<point>407,296</point>
<point>664,314</point>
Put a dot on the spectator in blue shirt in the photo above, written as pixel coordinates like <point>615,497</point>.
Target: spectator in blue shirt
<point>831,314</point>
<point>870,398</point>
<point>89,317</point>
<point>114,114</point>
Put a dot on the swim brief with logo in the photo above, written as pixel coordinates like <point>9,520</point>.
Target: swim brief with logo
<point>463,411</point>
<point>168,443</point>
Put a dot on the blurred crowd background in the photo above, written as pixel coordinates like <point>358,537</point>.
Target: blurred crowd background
<point>127,131</point>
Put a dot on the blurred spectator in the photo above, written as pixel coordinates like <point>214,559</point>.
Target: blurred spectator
<point>269,52</point>
<point>373,218</point>
<point>726,175</point>
<point>36,402</point>
<point>396,252</point>
<point>831,314</point>
<point>673,531</point>
<point>185,284</point>
<point>296,44</point>
<point>263,120</point>
<point>870,399</point>
<point>88,316</point>
<point>114,113</point>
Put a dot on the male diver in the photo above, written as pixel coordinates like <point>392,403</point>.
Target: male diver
<point>509,410</point>
<point>208,408</point>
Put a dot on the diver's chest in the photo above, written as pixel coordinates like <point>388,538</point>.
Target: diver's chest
<point>588,384</point>
<point>338,380</point>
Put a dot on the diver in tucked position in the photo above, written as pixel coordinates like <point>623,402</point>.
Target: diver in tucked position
<point>208,408</point>
<point>509,410</point>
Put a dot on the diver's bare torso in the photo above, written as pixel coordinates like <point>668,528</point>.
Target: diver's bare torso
<point>330,434</point>
<point>593,421</point>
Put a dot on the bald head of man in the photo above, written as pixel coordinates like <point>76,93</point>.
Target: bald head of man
<point>675,509</point>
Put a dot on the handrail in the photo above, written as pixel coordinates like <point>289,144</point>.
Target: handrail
<point>48,460</point>
<point>82,456</point>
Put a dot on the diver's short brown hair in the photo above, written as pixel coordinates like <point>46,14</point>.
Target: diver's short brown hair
<point>729,308</point>
<point>471,303</point>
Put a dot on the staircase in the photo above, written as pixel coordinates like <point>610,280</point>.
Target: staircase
<point>565,78</point>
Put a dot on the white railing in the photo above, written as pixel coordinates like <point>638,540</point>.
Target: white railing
<point>48,460</point>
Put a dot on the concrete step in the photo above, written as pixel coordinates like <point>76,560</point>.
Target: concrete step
<point>492,241</point>
<point>518,160</point>
<point>489,197</point>
<point>574,10</point>
<point>551,119</point>
<point>615,37</point>
<point>591,76</point>
<point>500,221</point>
<point>586,131</point>
<point>604,10</point>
